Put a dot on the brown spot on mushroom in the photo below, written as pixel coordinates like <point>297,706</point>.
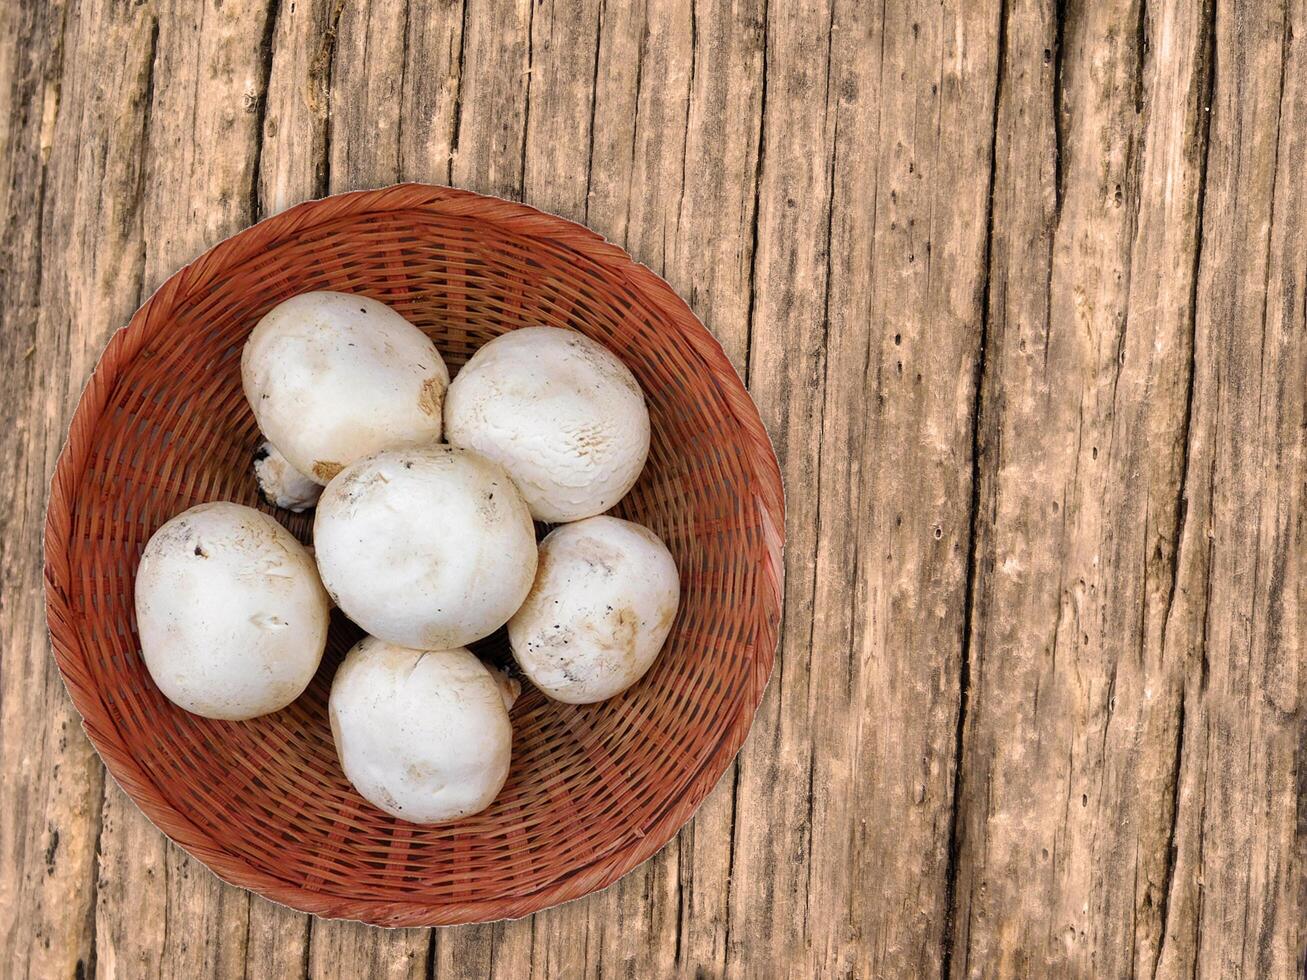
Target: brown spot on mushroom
<point>326,470</point>
<point>666,615</point>
<point>432,397</point>
<point>626,625</point>
<point>418,772</point>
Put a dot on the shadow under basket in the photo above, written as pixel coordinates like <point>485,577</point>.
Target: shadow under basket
<point>594,790</point>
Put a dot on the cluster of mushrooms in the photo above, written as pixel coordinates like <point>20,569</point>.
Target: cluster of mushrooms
<point>426,545</point>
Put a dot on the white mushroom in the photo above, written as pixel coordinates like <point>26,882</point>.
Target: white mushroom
<point>280,484</point>
<point>429,548</point>
<point>334,377</point>
<point>424,735</point>
<point>231,615</point>
<point>601,607</point>
<point>557,410</point>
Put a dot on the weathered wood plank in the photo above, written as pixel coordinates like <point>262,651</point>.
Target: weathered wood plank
<point>350,949</point>
<point>432,75</point>
<point>565,41</point>
<point>491,94</point>
<point>51,779</point>
<point>199,138</point>
<point>293,150</point>
<point>1239,889</point>
<point>618,76</point>
<point>1074,711</point>
<point>709,263</point>
<point>788,370</point>
<point>368,73</point>
<point>911,92</point>
<point>276,941</point>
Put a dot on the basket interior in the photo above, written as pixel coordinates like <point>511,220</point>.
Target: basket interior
<point>585,781</point>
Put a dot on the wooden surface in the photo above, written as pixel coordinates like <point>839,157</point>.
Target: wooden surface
<point>1020,292</point>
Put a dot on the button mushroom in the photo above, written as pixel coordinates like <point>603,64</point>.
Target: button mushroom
<point>557,410</point>
<point>601,607</point>
<point>429,548</point>
<point>424,735</point>
<point>231,614</point>
<point>334,377</point>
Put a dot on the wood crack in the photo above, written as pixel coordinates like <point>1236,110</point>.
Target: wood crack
<point>1202,857</point>
<point>458,96</point>
<point>757,198</point>
<point>308,949</point>
<point>245,945</point>
<point>167,903</point>
<point>1275,181</point>
<point>1141,45</point>
<point>1206,87</point>
<point>1181,510</point>
<point>147,114</point>
<point>1059,129</point>
<point>682,886</point>
<point>972,586</point>
<point>825,388</point>
<point>322,70</point>
<point>635,132</point>
<point>1060,153</point>
<point>534,921</point>
<point>730,859</point>
<point>403,95</point>
<point>1135,152</point>
<point>39,256</point>
<point>594,102</point>
<point>685,128</point>
<point>261,106</point>
<point>526,111</point>
<point>1168,878</point>
<point>92,962</point>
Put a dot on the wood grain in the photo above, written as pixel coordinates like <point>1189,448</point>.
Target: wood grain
<point>196,185</point>
<point>1019,289</point>
<point>1238,887</point>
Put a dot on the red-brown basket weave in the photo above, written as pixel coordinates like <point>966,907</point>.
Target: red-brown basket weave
<point>593,790</point>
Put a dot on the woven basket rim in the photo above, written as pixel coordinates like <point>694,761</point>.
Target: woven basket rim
<point>127,341</point>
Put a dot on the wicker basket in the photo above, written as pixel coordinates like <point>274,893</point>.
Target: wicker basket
<point>594,790</point>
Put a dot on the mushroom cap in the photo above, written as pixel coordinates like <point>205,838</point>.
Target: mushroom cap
<point>557,410</point>
<point>600,610</point>
<point>231,615</point>
<point>424,735</point>
<point>428,547</point>
<point>333,377</point>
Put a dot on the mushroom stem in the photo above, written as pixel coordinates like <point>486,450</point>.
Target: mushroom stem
<point>280,484</point>
<point>510,688</point>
